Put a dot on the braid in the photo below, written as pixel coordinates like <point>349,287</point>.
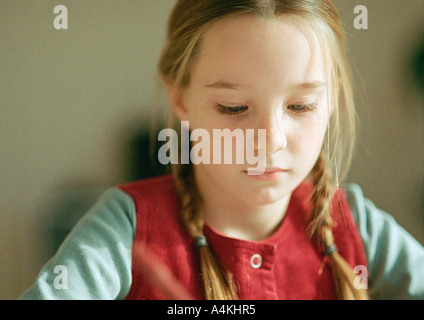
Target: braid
<point>321,197</point>
<point>218,284</point>
<point>343,275</point>
<point>188,196</point>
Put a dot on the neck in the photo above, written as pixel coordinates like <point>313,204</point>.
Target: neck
<point>243,220</point>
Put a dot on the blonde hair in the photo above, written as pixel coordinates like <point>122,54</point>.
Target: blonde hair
<point>188,23</point>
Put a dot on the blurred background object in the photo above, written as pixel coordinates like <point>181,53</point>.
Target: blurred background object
<point>76,107</point>
<point>417,65</point>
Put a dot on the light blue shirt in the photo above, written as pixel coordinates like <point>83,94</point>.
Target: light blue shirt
<point>94,261</point>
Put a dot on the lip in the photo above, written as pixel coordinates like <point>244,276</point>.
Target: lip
<point>269,174</point>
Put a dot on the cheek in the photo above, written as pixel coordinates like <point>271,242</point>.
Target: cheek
<point>308,138</point>
<point>202,117</point>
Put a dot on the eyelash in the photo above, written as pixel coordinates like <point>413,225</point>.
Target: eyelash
<point>238,110</point>
<point>303,107</point>
<point>231,111</point>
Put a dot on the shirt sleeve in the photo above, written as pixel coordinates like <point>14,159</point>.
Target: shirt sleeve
<point>94,261</point>
<point>395,258</point>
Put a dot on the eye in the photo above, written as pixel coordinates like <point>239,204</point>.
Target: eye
<point>301,108</point>
<point>231,111</point>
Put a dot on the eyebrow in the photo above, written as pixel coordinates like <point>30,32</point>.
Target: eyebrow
<point>224,85</point>
<point>297,87</point>
<point>308,86</point>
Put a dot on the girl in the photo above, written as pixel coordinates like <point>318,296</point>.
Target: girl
<point>289,233</point>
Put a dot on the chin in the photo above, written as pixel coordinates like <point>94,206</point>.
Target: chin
<point>265,195</point>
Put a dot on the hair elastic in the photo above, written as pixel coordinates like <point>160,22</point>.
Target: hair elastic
<point>329,250</point>
<point>200,241</point>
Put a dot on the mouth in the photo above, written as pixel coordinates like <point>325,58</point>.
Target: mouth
<point>267,174</point>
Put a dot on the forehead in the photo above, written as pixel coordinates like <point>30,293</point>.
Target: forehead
<point>259,53</point>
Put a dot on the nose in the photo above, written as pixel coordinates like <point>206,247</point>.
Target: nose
<point>276,138</point>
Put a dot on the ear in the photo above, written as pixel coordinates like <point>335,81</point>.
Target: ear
<point>176,99</point>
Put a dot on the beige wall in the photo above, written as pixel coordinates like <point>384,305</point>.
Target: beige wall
<point>389,163</point>
<point>70,100</point>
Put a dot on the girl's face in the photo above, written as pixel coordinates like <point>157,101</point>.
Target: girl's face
<point>254,73</point>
